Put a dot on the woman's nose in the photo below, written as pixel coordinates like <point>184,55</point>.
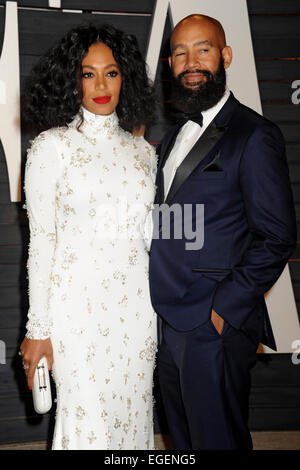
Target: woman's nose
<point>100,83</point>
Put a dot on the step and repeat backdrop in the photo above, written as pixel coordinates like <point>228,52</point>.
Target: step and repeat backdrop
<point>265,37</point>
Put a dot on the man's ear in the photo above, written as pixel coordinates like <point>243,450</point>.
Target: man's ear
<point>170,61</point>
<point>227,56</point>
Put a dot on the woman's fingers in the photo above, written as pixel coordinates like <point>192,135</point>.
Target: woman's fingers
<point>30,374</point>
<point>32,351</point>
<point>29,368</point>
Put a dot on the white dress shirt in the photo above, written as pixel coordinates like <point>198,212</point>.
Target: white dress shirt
<point>186,139</point>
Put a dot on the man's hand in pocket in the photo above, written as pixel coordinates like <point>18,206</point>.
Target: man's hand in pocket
<point>217,321</point>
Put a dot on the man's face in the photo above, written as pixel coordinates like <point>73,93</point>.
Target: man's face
<point>196,47</point>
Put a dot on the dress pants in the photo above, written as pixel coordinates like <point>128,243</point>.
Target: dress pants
<point>204,380</point>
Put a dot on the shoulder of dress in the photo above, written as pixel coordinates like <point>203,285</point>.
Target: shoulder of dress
<point>49,143</point>
<point>49,134</point>
<point>150,150</point>
<point>143,143</point>
<point>60,133</point>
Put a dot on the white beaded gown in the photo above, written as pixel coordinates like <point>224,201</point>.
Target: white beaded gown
<point>88,195</point>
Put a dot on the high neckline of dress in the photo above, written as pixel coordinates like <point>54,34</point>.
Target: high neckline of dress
<point>100,121</point>
<point>96,124</point>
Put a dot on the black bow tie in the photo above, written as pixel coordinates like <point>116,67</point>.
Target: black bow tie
<point>184,117</point>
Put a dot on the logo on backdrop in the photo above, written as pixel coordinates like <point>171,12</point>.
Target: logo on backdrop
<point>296,93</point>
<point>10,132</point>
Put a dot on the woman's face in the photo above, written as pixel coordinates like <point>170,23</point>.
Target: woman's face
<point>101,80</point>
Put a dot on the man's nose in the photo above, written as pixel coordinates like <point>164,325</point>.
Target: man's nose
<point>191,60</point>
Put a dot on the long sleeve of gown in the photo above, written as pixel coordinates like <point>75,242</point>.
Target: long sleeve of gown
<point>42,168</point>
<point>148,223</point>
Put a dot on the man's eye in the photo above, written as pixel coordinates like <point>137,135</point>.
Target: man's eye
<point>179,54</point>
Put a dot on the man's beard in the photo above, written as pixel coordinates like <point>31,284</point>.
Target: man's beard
<point>204,96</point>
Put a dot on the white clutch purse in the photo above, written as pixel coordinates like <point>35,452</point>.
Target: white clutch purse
<point>41,391</point>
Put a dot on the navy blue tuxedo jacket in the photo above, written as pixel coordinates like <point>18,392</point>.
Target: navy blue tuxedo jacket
<point>238,171</point>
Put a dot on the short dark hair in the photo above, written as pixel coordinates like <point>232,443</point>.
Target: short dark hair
<point>49,99</point>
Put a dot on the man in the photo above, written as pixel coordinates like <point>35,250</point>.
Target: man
<point>210,300</point>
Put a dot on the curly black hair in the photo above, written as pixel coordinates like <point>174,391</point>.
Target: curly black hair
<point>49,99</point>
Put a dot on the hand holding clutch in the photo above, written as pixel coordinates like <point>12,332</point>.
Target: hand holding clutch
<point>41,391</point>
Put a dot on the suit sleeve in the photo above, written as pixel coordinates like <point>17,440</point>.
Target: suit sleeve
<point>269,208</point>
<point>40,190</point>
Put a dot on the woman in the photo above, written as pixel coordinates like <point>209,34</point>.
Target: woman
<point>89,187</point>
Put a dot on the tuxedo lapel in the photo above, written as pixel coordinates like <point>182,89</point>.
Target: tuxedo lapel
<point>196,155</point>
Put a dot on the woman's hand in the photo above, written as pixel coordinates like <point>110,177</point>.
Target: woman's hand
<point>32,351</point>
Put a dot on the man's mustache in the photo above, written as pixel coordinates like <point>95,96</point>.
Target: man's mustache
<point>206,73</point>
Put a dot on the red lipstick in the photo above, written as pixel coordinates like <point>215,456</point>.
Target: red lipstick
<point>102,99</point>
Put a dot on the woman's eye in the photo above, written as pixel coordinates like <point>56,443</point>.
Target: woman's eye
<point>87,74</point>
<point>113,73</point>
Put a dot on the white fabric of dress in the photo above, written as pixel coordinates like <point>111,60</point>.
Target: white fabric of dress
<point>88,195</point>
